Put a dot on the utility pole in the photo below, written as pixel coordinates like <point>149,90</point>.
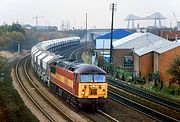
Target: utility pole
<point>86,30</point>
<point>113,7</point>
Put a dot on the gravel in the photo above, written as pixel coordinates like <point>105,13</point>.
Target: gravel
<point>124,114</point>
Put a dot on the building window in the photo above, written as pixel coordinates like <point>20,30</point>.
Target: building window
<point>128,61</point>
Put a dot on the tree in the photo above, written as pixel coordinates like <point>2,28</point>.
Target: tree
<point>18,36</point>
<point>174,70</point>
<point>4,28</point>
<point>16,27</point>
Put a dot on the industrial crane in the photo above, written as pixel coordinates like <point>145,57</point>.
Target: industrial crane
<point>37,17</point>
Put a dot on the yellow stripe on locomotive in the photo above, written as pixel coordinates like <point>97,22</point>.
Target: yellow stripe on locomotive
<point>92,90</point>
<point>92,86</point>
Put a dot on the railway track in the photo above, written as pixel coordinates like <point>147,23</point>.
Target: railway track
<point>99,115</point>
<point>145,110</point>
<point>46,106</point>
<point>146,95</point>
<point>108,116</point>
<point>141,108</point>
<point>76,53</point>
<point>69,50</point>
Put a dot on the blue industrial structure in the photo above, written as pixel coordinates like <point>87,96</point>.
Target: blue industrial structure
<point>103,42</point>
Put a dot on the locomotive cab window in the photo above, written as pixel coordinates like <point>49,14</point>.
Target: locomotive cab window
<point>99,78</point>
<point>86,78</point>
<point>93,78</point>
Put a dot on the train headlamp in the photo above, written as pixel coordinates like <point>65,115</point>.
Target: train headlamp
<point>103,92</point>
<point>83,92</point>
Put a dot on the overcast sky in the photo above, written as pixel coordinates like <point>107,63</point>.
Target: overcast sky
<point>54,11</point>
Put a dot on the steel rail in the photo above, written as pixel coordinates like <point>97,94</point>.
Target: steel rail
<point>141,108</point>
<point>108,116</point>
<point>76,52</point>
<point>65,115</point>
<point>148,96</point>
<point>27,93</point>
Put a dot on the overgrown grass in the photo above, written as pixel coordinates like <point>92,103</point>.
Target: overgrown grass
<point>165,92</point>
<point>15,109</point>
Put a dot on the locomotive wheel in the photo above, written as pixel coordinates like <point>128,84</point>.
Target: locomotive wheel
<point>60,92</point>
<point>68,98</point>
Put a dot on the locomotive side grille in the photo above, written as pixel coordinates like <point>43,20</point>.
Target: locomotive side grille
<point>93,92</point>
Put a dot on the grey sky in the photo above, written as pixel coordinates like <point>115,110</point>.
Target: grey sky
<point>54,11</point>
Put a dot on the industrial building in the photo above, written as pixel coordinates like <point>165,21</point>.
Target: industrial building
<point>171,35</point>
<point>156,57</point>
<point>124,48</point>
<point>145,53</point>
<point>103,42</point>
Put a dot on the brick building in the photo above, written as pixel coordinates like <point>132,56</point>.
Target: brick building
<point>156,57</point>
<point>171,35</point>
<point>124,48</point>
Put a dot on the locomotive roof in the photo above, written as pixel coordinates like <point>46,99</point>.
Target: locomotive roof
<point>86,68</point>
<point>79,67</point>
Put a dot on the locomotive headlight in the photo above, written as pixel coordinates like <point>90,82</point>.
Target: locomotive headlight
<point>103,92</point>
<point>83,92</point>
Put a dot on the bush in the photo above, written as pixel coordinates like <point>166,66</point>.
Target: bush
<point>174,70</point>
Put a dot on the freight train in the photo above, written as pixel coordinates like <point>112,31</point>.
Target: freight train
<point>80,84</point>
